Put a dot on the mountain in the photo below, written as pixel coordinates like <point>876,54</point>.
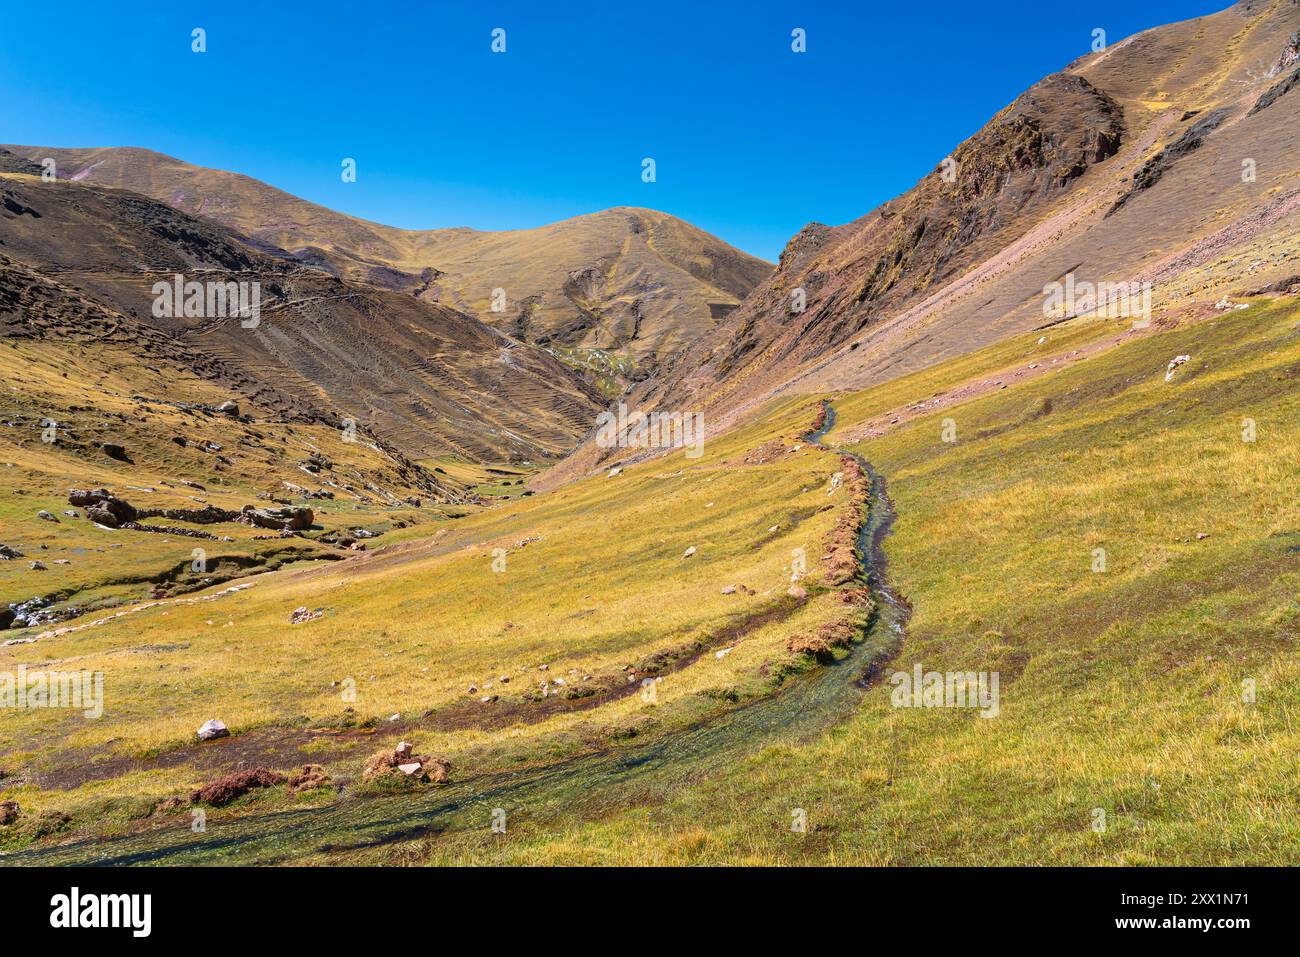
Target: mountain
<point>629,281</point>
<point>1168,158</point>
<point>422,376</point>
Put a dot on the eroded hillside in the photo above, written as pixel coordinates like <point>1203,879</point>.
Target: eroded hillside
<point>613,292</point>
<point>418,375</point>
<point>1169,159</point>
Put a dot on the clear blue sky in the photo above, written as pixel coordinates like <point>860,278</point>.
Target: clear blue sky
<point>751,140</point>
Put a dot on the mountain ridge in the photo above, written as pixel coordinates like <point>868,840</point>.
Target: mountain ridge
<point>631,281</point>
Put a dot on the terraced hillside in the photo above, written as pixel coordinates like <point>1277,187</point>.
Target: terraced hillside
<point>623,287</point>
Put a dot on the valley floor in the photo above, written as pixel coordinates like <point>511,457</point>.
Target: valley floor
<point>1121,547</point>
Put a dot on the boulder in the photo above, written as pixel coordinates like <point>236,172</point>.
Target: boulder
<point>102,516</point>
<point>85,497</point>
<point>45,516</point>
<point>289,518</point>
<point>114,451</point>
<point>230,408</point>
<point>7,552</point>
<point>7,616</point>
<point>9,812</point>
<point>102,507</point>
<point>213,729</point>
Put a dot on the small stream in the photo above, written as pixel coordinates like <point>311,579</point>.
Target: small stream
<point>589,784</point>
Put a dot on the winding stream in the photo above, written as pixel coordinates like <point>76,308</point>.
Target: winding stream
<point>588,784</point>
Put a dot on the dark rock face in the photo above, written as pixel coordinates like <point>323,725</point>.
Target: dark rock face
<point>1191,140</point>
<point>1275,93</point>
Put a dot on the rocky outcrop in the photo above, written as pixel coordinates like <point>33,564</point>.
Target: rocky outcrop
<point>103,508</point>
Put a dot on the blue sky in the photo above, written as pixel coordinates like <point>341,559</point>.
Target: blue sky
<point>750,140</point>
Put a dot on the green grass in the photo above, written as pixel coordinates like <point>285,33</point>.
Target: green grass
<point>1121,690</point>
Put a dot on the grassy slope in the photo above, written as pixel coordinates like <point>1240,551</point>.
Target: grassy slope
<point>1121,690</point>
<point>602,584</point>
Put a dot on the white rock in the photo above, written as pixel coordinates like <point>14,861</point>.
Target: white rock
<point>213,729</point>
<point>689,552</point>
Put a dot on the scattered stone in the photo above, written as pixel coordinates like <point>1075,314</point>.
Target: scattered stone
<point>797,591</point>
<point>616,470</point>
<point>689,552</point>
<point>114,451</point>
<point>488,699</point>
<point>9,811</point>
<point>400,761</point>
<point>45,516</point>
<point>1202,535</point>
<point>39,566</point>
<point>7,553</point>
<point>72,513</point>
<point>1174,363</point>
<point>303,615</point>
<point>729,590</point>
<point>229,408</point>
<point>213,729</point>
<point>472,689</point>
